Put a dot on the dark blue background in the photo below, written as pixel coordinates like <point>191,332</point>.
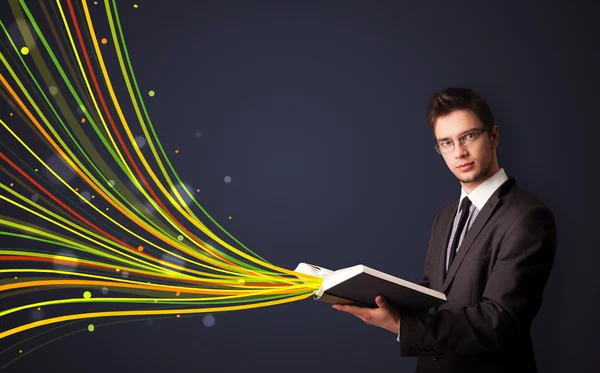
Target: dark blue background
<point>318,113</point>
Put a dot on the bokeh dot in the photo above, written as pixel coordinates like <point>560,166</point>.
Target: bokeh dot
<point>125,274</point>
<point>53,90</point>
<point>140,141</point>
<point>91,327</point>
<point>104,41</point>
<point>209,321</point>
<point>180,238</point>
<point>151,93</point>
<point>135,5</point>
<point>227,179</point>
<point>241,282</point>
<point>25,51</point>
<point>87,295</point>
<point>104,290</point>
<point>85,195</point>
<point>35,198</point>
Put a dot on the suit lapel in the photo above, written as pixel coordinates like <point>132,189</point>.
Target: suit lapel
<point>480,221</point>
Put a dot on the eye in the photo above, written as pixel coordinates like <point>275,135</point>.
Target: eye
<point>446,144</point>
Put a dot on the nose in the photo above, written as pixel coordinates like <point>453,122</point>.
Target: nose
<point>460,150</point>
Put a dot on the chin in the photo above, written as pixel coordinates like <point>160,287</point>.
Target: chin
<point>472,176</point>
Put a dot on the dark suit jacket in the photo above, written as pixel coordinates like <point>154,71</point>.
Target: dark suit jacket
<point>494,288</point>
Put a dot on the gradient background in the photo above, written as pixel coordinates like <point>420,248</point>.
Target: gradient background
<point>318,113</point>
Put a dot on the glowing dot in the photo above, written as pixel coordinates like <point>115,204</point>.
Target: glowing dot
<point>140,248</point>
<point>140,141</point>
<point>117,269</point>
<point>25,51</point>
<point>230,218</point>
<point>11,114</point>
<point>176,151</point>
<point>177,294</point>
<point>11,184</point>
<point>178,316</point>
<point>180,238</point>
<point>86,195</point>
<point>208,321</point>
<point>104,290</point>
<point>241,282</point>
<point>53,90</point>
<point>197,190</point>
<point>107,209</point>
<point>151,93</point>
<point>93,196</point>
<point>82,120</point>
<point>104,41</point>
<point>16,277</point>
<point>20,351</point>
<point>227,179</point>
<point>91,327</point>
<point>36,170</point>
<point>135,5</point>
<point>95,3</point>
<point>77,189</point>
<point>87,295</point>
<point>39,308</point>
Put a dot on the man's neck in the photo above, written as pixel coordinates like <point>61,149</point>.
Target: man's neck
<point>469,187</point>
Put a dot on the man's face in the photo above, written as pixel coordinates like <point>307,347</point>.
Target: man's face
<point>471,163</point>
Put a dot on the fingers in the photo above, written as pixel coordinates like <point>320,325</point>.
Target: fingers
<point>359,312</point>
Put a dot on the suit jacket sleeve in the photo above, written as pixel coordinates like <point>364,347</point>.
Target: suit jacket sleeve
<point>425,281</point>
<point>511,299</point>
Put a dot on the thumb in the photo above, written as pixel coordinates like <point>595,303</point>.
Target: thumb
<point>381,302</point>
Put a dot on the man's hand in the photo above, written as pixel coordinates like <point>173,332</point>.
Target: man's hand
<point>386,316</point>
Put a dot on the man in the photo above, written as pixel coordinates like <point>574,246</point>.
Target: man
<point>490,252</point>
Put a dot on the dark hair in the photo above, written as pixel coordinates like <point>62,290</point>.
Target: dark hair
<point>450,99</point>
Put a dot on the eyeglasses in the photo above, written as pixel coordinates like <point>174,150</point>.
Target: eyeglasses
<point>446,146</point>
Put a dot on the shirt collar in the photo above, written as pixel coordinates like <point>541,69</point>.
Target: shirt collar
<point>480,195</point>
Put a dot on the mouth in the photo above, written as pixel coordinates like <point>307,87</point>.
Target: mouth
<point>465,166</point>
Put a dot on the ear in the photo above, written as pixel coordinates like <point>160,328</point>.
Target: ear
<point>495,135</point>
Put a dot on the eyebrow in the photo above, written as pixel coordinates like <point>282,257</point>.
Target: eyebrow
<point>462,133</point>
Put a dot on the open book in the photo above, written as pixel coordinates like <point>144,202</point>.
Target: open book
<point>359,285</point>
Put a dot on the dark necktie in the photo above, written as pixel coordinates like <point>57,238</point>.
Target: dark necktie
<point>464,214</point>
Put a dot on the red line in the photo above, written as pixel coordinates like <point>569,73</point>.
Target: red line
<point>68,262</point>
<point>63,205</point>
<point>110,119</point>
